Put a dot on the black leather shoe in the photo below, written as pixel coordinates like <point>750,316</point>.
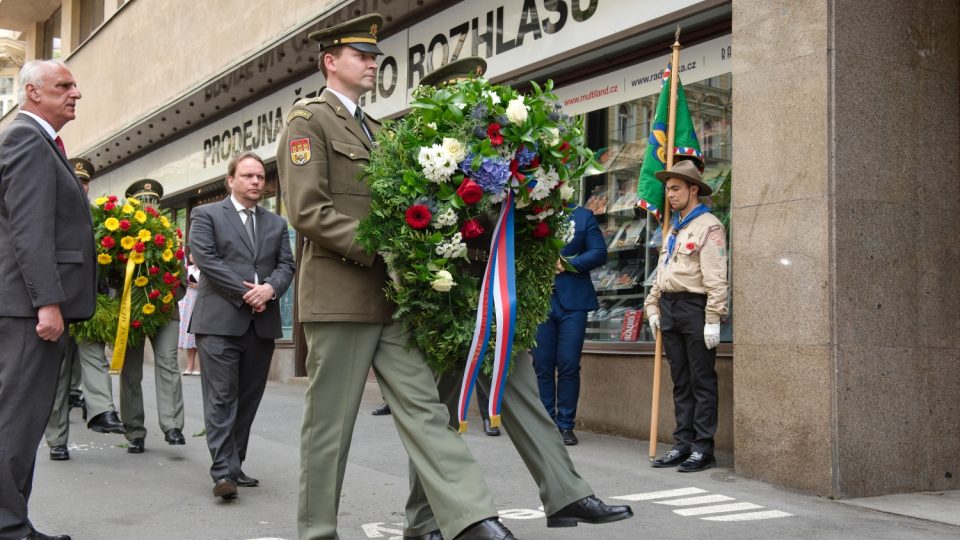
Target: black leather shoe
<point>37,535</point>
<point>488,529</point>
<point>382,410</point>
<point>135,446</point>
<point>588,510</point>
<point>174,436</point>
<point>490,430</point>
<point>432,535</point>
<point>107,422</point>
<point>673,458</point>
<point>59,453</point>
<point>225,488</point>
<point>569,438</point>
<point>697,461</point>
<point>76,400</point>
<point>246,481</point>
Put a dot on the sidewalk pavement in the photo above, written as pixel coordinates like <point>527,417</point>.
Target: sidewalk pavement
<point>104,493</point>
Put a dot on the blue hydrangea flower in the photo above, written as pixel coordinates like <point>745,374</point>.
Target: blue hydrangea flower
<point>492,175</point>
<point>525,156</point>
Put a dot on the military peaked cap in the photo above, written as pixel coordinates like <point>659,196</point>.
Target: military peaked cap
<point>462,68</point>
<point>82,168</point>
<point>359,33</point>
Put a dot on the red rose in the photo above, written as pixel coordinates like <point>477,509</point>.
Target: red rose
<point>154,270</point>
<point>109,206</point>
<point>154,294</point>
<point>541,230</point>
<point>418,216</point>
<point>136,323</point>
<point>139,247</point>
<point>471,229</point>
<point>112,198</point>
<point>179,233</point>
<point>691,245</point>
<point>124,224</point>
<point>159,240</point>
<point>121,257</point>
<point>108,242</point>
<point>179,254</point>
<point>169,278</point>
<point>151,211</point>
<point>493,131</point>
<point>470,191</point>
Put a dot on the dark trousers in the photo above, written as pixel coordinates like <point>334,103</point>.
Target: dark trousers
<point>29,368</point>
<point>234,376</point>
<point>556,359</point>
<point>692,371</point>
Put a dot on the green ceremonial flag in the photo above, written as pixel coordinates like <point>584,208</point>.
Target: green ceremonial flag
<point>649,189</point>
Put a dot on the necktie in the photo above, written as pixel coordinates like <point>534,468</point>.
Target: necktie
<point>59,143</point>
<point>248,224</point>
<point>358,114</point>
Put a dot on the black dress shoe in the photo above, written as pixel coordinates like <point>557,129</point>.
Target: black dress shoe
<point>225,488</point>
<point>382,410</point>
<point>107,422</point>
<point>488,529</point>
<point>174,436</point>
<point>37,535</point>
<point>588,510</point>
<point>76,400</point>
<point>697,461</point>
<point>59,453</point>
<point>490,430</point>
<point>673,458</point>
<point>432,535</point>
<point>135,446</point>
<point>569,438</point>
<point>246,481</point>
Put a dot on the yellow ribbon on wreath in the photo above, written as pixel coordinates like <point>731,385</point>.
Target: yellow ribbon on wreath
<point>123,323</point>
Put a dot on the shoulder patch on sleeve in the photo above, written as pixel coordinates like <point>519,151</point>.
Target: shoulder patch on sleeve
<point>299,113</point>
<point>300,151</point>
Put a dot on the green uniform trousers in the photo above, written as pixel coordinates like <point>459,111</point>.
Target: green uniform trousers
<point>169,386</point>
<point>532,432</point>
<point>340,356</point>
<point>97,388</point>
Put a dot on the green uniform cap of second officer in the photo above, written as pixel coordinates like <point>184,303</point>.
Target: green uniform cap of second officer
<point>359,33</point>
<point>463,68</point>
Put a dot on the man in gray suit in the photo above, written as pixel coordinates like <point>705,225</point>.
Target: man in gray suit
<point>48,276</point>
<point>243,253</point>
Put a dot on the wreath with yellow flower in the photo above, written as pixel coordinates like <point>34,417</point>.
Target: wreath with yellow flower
<point>130,233</point>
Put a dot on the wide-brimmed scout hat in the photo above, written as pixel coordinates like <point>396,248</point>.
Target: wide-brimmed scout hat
<point>686,170</point>
<point>359,33</point>
<point>82,168</point>
<point>462,68</point>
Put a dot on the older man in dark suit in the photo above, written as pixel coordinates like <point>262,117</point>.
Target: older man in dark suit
<point>243,253</point>
<point>48,276</point>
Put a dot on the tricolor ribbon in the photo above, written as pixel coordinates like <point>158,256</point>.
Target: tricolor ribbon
<point>498,296</point>
<point>123,325</point>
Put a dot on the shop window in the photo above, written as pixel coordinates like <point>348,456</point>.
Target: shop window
<point>51,37</point>
<point>633,238</point>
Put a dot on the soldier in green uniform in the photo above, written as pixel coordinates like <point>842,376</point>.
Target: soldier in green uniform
<point>567,498</point>
<point>346,316</point>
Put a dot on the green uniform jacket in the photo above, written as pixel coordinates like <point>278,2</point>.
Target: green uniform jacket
<point>320,157</point>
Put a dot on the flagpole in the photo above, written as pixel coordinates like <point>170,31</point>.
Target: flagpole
<point>671,132</point>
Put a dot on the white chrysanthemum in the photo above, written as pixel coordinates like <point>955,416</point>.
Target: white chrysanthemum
<point>567,232</point>
<point>540,191</point>
<point>567,192</point>
<point>424,156</point>
<point>542,215</point>
<point>445,219</point>
<point>517,111</point>
<point>444,165</point>
<point>455,149</point>
<point>497,198</point>
<point>452,248</point>
<point>551,178</point>
<point>492,96</point>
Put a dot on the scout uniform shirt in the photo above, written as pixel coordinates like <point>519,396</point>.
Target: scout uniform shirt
<point>698,265</point>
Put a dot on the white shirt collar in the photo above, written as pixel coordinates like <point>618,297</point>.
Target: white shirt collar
<point>43,123</point>
<point>240,208</point>
<point>347,102</point>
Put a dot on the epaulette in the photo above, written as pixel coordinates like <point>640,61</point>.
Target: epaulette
<point>303,113</point>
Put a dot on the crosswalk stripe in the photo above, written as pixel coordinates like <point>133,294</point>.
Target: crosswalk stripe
<point>661,494</point>
<point>717,509</point>
<point>705,499</point>
<point>749,516</point>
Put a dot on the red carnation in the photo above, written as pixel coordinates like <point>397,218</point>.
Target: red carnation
<point>470,191</point>
<point>139,247</point>
<point>564,146</point>
<point>136,323</point>
<point>159,240</point>
<point>493,131</point>
<point>691,245</point>
<point>122,257</point>
<point>154,270</point>
<point>471,229</point>
<point>124,224</point>
<point>169,278</point>
<point>108,206</point>
<point>541,230</point>
<point>151,211</point>
<point>179,233</point>
<point>418,216</point>
<point>154,294</point>
<point>179,254</point>
<point>112,198</point>
<point>108,242</point>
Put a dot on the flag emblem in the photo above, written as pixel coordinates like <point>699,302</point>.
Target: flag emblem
<point>300,151</point>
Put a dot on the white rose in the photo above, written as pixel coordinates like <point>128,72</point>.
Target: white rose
<point>566,191</point>
<point>517,111</point>
<point>455,149</point>
<point>444,281</point>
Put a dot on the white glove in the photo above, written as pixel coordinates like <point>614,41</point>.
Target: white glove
<point>654,322</point>
<point>711,334</point>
